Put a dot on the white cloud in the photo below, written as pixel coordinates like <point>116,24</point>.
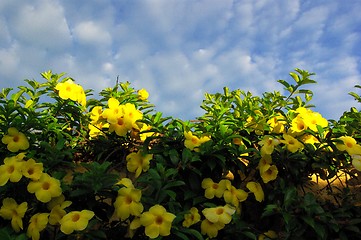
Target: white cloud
<point>9,60</point>
<point>41,24</point>
<point>90,32</point>
<point>178,50</point>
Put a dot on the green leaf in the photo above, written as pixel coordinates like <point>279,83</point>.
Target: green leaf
<point>308,81</point>
<point>15,97</point>
<point>21,237</point>
<point>309,220</point>
<point>250,235</point>
<point>304,91</point>
<point>173,184</point>
<point>295,77</point>
<point>356,96</point>
<point>269,210</point>
<point>4,235</point>
<point>174,156</point>
<point>181,235</point>
<point>290,196</point>
<point>284,83</point>
<point>194,233</point>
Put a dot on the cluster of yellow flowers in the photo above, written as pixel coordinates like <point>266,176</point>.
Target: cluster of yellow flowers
<point>118,118</point>
<point>216,218</point>
<point>46,189</point>
<point>293,138</point>
<point>305,119</point>
<point>72,91</point>
<point>157,221</point>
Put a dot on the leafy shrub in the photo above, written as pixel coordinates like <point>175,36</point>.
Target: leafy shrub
<point>76,167</point>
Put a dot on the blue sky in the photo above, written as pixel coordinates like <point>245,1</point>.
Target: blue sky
<point>180,49</point>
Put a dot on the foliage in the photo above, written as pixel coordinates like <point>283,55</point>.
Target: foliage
<point>77,167</point>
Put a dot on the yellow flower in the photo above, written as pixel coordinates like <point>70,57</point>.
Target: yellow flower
<point>220,214</point>
<point>81,97</point>
<point>37,224</point>
<point>256,123</point>
<point>312,119</point>
<point>157,221</point>
<point>32,169</point>
<point>270,234</point>
<point>293,145</point>
<point>131,115</point>
<point>10,210</point>
<point>122,118</point>
<point>309,139</point>
<point>72,91</point>
<point>75,221</point>
<point>143,132</point>
<point>45,188</point>
<point>298,125</point>
<point>11,170</point>
<point>277,123</point>
<point>356,162</point>
<point>133,226</point>
<point>269,173</point>
<point>268,144</point>
<point>193,142</point>
<point>143,94</point>
<point>56,207</point>
<point>114,111</point>
<point>96,114</point>
<point>232,195</point>
<point>257,190</point>
<point>128,203</point>
<point>137,162</point>
<point>127,182</point>
<point>211,229</point>
<point>96,129</point>
<point>303,110</point>
<point>119,127</point>
<point>264,163</point>
<point>15,140</point>
<point>191,218</point>
<point>349,145</point>
<point>213,189</point>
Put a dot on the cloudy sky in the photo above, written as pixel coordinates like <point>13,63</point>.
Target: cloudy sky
<point>180,49</point>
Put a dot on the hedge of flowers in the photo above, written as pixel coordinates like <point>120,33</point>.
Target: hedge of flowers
<point>112,167</point>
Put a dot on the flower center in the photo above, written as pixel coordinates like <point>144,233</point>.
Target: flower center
<point>159,220</point>
<point>75,217</point>
<point>16,138</point>
<point>11,169</point>
<point>120,121</point>
<point>349,145</point>
<point>215,186</point>
<point>30,171</point>
<point>46,186</point>
<point>14,213</point>
<point>219,211</point>
<point>128,200</point>
<point>269,171</point>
